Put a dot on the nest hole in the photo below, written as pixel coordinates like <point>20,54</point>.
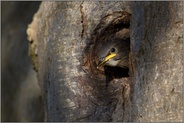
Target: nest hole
<point>116,72</point>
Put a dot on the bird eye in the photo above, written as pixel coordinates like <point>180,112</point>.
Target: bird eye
<point>113,50</point>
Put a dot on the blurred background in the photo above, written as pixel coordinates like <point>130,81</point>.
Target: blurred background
<point>21,98</point>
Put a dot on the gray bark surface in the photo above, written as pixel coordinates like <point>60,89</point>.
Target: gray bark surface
<point>157,51</point>
<point>71,94</point>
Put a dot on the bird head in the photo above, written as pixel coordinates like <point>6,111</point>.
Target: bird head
<point>111,53</point>
<point>109,58</point>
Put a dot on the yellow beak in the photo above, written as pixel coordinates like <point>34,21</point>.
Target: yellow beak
<point>106,59</point>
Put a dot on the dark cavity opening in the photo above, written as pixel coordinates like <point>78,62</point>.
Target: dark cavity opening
<point>115,73</point>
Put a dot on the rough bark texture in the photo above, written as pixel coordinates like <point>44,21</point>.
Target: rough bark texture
<point>20,93</point>
<point>157,52</point>
<point>72,94</point>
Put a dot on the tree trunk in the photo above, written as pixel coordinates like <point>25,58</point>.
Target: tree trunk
<point>62,34</point>
<point>157,53</point>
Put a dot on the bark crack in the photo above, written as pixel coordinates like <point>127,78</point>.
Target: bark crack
<point>83,20</point>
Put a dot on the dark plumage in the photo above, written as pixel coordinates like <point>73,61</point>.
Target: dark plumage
<point>114,51</point>
<point>111,39</point>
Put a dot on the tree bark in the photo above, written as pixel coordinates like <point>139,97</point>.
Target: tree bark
<point>157,53</point>
<point>72,93</point>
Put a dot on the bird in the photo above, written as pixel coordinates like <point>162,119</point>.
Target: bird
<point>114,51</point>
<point>110,43</point>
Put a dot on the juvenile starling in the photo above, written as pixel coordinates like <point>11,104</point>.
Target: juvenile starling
<point>115,51</point>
